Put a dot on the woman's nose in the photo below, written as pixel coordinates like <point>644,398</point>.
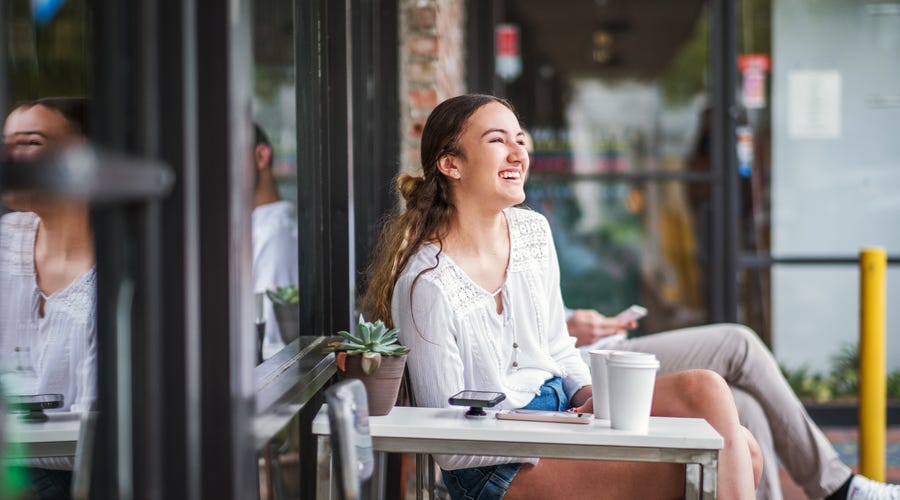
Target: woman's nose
<point>517,153</point>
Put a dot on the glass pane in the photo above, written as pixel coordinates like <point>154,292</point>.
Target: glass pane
<point>834,170</point>
<point>48,275</point>
<point>48,49</point>
<point>615,100</point>
<point>274,215</point>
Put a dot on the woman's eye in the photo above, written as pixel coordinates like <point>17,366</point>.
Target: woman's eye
<point>496,139</point>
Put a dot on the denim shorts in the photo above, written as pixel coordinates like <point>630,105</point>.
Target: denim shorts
<point>491,482</point>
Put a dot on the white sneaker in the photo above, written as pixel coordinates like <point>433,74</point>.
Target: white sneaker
<point>863,488</point>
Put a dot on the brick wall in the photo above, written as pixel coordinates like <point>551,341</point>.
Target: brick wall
<point>431,66</point>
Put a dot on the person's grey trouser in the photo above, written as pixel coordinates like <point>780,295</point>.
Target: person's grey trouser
<point>765,402</point>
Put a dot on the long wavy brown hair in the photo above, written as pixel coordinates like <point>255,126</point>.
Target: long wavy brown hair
<point>429,207</point>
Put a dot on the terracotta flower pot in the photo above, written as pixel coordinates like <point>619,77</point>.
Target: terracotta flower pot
<point>288,317</point>
<point>382,386</point>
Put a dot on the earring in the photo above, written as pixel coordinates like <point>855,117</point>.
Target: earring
<point>456,175</point>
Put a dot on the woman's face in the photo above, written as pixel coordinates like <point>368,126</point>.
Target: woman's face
<point>29,134</point>
<point>493,162</point>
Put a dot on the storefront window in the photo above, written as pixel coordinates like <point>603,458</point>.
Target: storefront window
<point>274,217</point>
<point>615,103</point>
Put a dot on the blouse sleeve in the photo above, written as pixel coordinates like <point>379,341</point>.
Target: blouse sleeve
<point>429,328</point>
<point>562,345</point>
<point>86,374</point>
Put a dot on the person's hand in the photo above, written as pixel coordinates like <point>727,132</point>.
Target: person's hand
<point>589,326</point>
<point>583,401</point>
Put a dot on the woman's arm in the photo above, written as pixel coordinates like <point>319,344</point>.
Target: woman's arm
<point>561,345</point>
<point>426,327</point>
<point>85,371</point>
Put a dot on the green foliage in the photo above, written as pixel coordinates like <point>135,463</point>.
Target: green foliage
<point>284,295</point>
<point>687,74</point>
<point>370,338</point>
<point>842,382</point>
<point>893,385</point>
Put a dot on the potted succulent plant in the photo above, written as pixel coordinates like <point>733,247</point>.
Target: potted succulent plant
<point>286,304</point>
<point>375,356</point>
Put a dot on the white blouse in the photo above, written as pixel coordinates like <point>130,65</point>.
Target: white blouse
<point>458,341</point>
<point>275,261</point>
<point>53,354</point>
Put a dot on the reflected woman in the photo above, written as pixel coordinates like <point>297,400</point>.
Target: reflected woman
<point>48,277</point>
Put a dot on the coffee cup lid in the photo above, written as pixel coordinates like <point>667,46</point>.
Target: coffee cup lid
<point>628,358</point>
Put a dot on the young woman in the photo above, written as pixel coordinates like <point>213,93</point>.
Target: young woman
<point>473,284</point>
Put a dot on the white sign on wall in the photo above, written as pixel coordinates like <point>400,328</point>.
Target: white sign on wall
<point>814,104</point>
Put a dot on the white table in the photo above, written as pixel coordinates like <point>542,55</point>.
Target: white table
<point>447,430</point>
<point>57,437</point>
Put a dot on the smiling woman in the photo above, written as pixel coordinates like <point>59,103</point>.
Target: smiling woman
<point>472,282</point>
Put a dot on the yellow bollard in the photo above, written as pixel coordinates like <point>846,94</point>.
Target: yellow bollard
<point>872,383</point>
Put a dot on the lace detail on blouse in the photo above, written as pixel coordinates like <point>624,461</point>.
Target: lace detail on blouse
<point>529,240</point>
<point>462,294</point>
<point>17,230</point>
<point>531,235</point>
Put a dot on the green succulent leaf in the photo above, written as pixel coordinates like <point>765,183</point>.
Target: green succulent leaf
<point>284,295</point>
<point>373,338</point>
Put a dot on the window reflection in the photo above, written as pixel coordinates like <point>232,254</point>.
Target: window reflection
<point>614,153</point>
<point>47,260</point>
<point>274,217</point>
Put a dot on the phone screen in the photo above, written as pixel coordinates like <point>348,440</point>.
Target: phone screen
<point>34,401</point>
<point>477,398</point>
<point>477,395</point>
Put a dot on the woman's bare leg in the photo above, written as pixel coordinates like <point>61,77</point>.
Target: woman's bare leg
<point>756,456</point>
<point>694,393</point>
<point>704,394</point>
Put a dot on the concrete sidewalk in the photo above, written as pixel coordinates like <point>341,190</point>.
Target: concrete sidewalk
<point>845,440</point>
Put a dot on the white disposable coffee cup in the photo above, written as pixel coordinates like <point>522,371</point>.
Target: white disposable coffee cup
<point>631,377</point>
<point>599,383</point>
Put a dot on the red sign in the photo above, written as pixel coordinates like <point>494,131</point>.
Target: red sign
<point>753,62</point>
<point>753,68</point>
<point>507,40</point>
<point>508,62</point>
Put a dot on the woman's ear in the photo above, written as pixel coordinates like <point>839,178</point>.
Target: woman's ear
<point>262,156</point>
<point>447,166</point>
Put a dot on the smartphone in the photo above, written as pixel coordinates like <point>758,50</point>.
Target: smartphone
<point>565,417</point>
<point>633,313</point>
<point>33,402</point>
<point>477,399</point>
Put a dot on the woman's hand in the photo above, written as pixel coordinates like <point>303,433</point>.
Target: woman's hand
<point>589,326</point>
<point>582,401</point>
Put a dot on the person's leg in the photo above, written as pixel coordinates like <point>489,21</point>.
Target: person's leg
<point>696,393</point>
<point>753,418</point>
<point>737,354</point>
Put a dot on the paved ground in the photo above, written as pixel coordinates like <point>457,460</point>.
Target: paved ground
<point>845,441</point>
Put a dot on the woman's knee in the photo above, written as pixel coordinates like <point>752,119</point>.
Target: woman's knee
<point>699,388</point>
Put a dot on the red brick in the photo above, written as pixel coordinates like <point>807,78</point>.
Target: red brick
<point>422,98</point>
<point>416,129</point>
<point>422,45</point>
<point>422,18</point>
<point>421,71</point>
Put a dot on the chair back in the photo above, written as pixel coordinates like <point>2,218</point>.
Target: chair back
<point>348,418</point>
